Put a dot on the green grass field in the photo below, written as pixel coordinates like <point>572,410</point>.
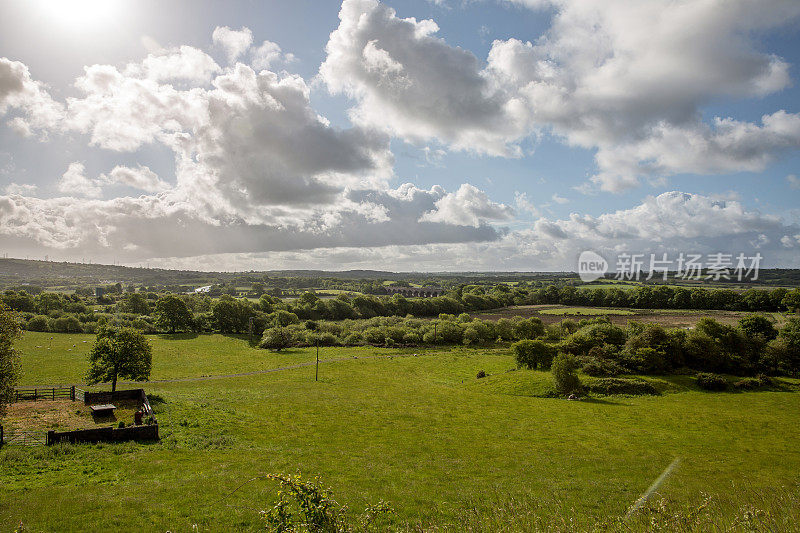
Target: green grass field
<point>419,432</point>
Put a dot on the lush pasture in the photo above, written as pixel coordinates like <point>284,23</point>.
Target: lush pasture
<point>420,432</point>
<point>61,358</point>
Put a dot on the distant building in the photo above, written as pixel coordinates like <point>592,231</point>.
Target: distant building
<point>200,290</point>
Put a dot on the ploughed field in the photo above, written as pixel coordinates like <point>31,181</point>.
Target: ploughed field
<point>420,432</point>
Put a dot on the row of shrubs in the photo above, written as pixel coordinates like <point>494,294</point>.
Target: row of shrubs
<point>754,346</point>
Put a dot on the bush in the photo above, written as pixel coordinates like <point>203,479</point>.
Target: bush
<point>565,377</point>
<point>353,339</point>
<point>747,384</point>
<point>533,354</point>
<point>594,366</point>
<point>622,386</point>
<point>67,324</point>
<point>712,382</point>
<point>481,374</point>
<point>277,338</point>
<point>38,323</point>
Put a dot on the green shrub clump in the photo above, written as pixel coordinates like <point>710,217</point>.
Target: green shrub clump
<point>565,377</point>
<point>712,382</point>
<point>533,354</point>
<point>622,386</point>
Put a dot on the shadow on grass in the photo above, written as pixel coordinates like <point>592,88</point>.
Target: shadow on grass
<point>178,336</point>
<point>156,399</point>
<point>105,418</point>
<point>601,401</point>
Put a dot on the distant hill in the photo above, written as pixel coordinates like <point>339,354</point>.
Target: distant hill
<point>21,272</point>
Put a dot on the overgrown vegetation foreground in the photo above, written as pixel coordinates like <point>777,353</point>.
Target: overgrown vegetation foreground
<point>445,450</point>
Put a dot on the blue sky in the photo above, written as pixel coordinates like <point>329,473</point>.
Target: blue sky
<point>520,157</point>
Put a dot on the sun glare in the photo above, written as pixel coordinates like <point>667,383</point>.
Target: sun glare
<point>81,14</point>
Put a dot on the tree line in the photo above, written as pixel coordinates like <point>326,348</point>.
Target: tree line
<point>152,312</point>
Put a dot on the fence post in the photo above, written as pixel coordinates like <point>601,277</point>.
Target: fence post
<point>72,393</point>
<point>1,435</point>
<point>54,393</point>
<point>51,437</point>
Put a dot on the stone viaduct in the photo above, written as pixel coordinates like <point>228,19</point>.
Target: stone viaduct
<point>416,292</point>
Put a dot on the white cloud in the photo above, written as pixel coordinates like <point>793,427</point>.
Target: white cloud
<point>412,84</point>
<point>728,146</point>
<point>559,199</point>
<point>523,203</point>
<point>268,53</point>
<point>793,181</point>
<point>233,42</point>
<point>75,183</point>
<point>468,206</point>
<point>22,189</point>
<point>141,178</point>
<point>18,91</point>
<point>624,77</point>
<point>184,63</point>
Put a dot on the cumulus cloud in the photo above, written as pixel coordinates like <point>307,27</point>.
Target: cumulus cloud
<point>75,183</point>
<point>669,223</point>
<point>233,42</point>
<point>268,53</point>
<point>410,83</point>
<point>21,189</point>
<point>18,91</point>
<point>141,178</point>
<point>185,63</point>
<point>468,206</point>
<point>626,78</point>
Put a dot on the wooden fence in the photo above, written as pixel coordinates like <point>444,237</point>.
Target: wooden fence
<point>23,438</point>
<point>147,431</point>
<point>48,393</point>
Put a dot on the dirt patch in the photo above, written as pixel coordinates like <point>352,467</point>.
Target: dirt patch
<point>64,415</point>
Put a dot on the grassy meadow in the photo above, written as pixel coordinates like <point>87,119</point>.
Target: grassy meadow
<point>422,433</point>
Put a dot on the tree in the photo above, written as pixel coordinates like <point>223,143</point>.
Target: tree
<point>232,315</point>
<point>792,300</point>
<point>9,331</point>
<point>119,353</point>
<point>172,312</point>
<point>565,377</point>
<point>277,338</point>
<point>533,354</point>
<point>136,303</point>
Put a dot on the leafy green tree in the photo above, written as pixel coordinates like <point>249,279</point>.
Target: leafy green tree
<point>533,354</point>
<point>119,353</point>
<point>232,315</point>
<point>172,313</point>
<point>136,303</point>
<point>528,328</point>
<point>565,376</point>
<point>792,300</point>
<point>758,325</point>
<point>277,338</point>
<point>47,302</point>
<point>10,330</point>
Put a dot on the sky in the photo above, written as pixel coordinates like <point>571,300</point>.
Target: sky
<point>422,135</point>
